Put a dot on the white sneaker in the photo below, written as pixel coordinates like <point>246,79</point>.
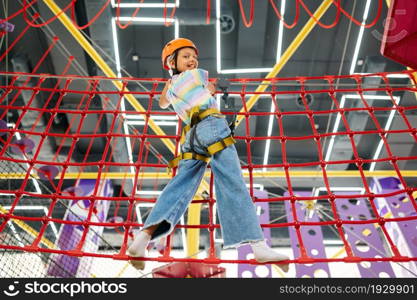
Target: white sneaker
<point>138,248</point>
<point>263,253</point>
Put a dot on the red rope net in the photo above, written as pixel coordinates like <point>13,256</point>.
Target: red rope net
<point>166,14</point>
<point>97,117</point>
<point>21,145</point>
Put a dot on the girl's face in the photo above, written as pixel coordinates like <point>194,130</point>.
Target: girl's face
<point>187,59</point>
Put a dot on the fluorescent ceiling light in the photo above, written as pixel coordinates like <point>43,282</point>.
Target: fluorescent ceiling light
<point>149,192</point>
<point>161,120</point>
<point>34,181</point>
<point>146,5</point>
<point>35,207</point>
<point>388,75</point>
<point>372,97</point>
<point>15,234</point>
<point>218,38</point>
<point>335,128</point>
<point>280,32</point>
<point>381,142</point>
<point>247,70</point>
<point>137,209</point>
<point>256,186</point>
<point>116,47</point>
<point>339,189</point>
<point>247,95</point>
<point>360,36</point>
<point>145,19</point>
<point>138,214</point>
<point>153,117</point>
<point>129,148</point>
<point>176,28</point>
<point>271,117</point>
<point>159,123</point>
<point>338,119</point>
<point>269,132</point>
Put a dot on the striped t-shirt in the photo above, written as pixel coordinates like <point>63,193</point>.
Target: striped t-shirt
<point>188,90</point>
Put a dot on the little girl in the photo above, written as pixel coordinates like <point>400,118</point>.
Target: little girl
<point>207,137</point>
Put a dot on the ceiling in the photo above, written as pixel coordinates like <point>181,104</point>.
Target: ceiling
<point>323,52</point>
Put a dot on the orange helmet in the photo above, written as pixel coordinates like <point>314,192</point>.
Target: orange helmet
<point>173,46</point>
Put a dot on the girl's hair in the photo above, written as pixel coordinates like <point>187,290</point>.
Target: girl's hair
<point>174,57</point>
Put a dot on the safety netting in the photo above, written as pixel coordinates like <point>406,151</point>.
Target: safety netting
<point>54,203</point>
<point>27,175</point>
<point>169,10</point>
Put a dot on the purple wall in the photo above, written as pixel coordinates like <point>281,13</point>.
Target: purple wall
<point>312,237</point>
<point>245,252</point>
<point>403,233</point>
<point>70,235</point>
<point>364,239</point>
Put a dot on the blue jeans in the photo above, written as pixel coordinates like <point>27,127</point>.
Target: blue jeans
<point>238,220</point>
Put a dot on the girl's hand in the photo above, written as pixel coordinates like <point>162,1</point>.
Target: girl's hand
<point>163,101</point>
<point>211,86</point>
<point>167,84</point>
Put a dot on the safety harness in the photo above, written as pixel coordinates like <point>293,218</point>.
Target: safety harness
<point>196,116</point>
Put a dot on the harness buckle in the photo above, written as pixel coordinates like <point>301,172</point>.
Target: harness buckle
<point>196,115</point>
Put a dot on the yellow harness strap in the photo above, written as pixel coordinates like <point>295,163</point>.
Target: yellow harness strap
<point>187,155</point>
<point>196,117</point>
<point>220,145</point>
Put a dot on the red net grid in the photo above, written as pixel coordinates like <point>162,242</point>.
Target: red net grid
<point>52,182</point>
<point>169,11</point>
<point>39,185</point>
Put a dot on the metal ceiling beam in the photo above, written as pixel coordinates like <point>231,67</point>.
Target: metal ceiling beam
<point>399,145</point>
<point>342,147</point>
<point>21,64</point>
